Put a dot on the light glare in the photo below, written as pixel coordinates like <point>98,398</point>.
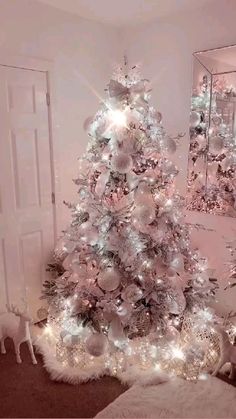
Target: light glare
<point>118,118</point>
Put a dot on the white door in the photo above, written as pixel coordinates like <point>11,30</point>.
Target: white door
<point>26,186</point>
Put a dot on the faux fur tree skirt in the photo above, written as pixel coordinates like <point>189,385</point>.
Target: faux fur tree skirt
<point>177,398</point>
<point>75,375</point>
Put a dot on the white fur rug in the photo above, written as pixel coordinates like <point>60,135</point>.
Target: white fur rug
<point>177,398</point>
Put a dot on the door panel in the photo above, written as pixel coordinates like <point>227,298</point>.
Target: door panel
<point>26,210</point>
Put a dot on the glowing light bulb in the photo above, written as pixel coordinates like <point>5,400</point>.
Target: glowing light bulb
<point>118,118</point>
<point>178,353</point>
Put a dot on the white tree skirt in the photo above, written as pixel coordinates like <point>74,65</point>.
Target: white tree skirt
<point>177,398</point>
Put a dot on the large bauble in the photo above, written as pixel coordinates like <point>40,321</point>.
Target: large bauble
<point>195,119</point>
<point>121,162</point>
<point>109,279</point>
<point>96,344</point>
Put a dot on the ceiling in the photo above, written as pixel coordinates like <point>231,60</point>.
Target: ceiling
<point>125,12</point>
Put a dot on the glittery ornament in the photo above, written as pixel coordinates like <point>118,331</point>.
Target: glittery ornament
<point>140,325</point>
<point>132,293</point>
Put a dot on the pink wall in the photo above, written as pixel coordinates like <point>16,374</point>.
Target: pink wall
<point>165,48</point>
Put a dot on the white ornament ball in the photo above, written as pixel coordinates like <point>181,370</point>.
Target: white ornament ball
<point>88,233</point>
<point>145,214</point>
<point>121,163</point>
<point>96,344</point>
<point>109,279</point>
<point>195,119</point>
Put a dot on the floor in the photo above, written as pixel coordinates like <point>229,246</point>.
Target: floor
<point>27,391</point>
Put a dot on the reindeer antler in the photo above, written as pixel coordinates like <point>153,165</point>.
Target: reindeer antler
<point>13,309</point>
<point>25,303</point>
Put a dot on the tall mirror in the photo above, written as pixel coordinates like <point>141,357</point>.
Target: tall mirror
<point>212,152</point>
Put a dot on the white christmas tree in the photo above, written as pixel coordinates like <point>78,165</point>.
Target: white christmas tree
<point>128,291</point>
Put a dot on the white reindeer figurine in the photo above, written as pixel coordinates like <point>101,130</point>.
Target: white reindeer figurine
<point>17,329</point>
<point>227,354</point>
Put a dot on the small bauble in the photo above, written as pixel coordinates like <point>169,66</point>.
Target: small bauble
<point>67,262</point>
<point>216,144</point>
<point>69,246</point>
<point>63,247</point>
<point>212,168</point>
<point>170,146</point>
<point>171,334</point>
<point>216,119</point>
<point>177,263</point>
<point>121,163</point>
<point>169,168</point>
<point>195,119</point>
<point>158,117</point>
<point>96,344</point>
<point>132,294</point>
<point>88,121</point>
<point>229,162</point>
<point>124,311</point>
<point>109,279</point>
<point>201,139</point>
